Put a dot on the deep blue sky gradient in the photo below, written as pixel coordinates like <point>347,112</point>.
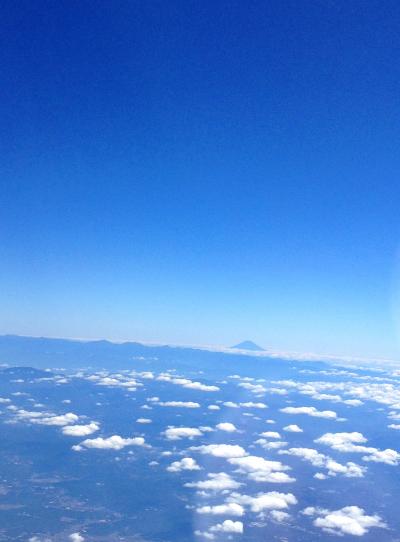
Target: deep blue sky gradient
<point>202,172</point>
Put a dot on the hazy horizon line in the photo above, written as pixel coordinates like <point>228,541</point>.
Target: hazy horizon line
<point>265,353</point>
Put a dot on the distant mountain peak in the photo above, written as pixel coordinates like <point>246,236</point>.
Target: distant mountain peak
<point>248,345</point>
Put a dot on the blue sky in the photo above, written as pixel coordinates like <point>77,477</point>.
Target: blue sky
<point>202,172</point>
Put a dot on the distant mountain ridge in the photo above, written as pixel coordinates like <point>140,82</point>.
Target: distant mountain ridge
<point>249,345</point>
<point>68,354</point>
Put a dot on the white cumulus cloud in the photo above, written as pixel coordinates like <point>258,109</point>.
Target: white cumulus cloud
<point>177,433</point>
<point>259,469</point>
<point>310,411</point>
<point>354,442</point>
<point>221,450</point>
<point>226,426</point>
<point>80,430</point>
<point>317,459</point>
<point>348,520</point>
<point>187,463</point>
<point>228,526</point>
<point>272,500</point>
<point>63,419</point>
<point>227,509</point>
<point>115,442</point>
<point>215,482</point>
<point>179,404</point>
<point>270,434</point>
<point>293,428</point>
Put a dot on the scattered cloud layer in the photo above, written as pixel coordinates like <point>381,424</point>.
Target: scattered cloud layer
<point>353,442</point>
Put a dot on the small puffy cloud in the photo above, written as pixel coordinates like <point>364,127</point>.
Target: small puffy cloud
<point>228,526</point>
<point>148,375</point>
<point>221,450</point>
<point>27,414</point>
<point>205,534</point>
<point>349,470</point>
<point>350,520</point>
<point>308,454</point>
<point>310,411</point>
<point>177,433</point>
<point>272,500</point>
<point>115,381</point>
<point>76,537</point>
<point>342,442</point>
<point>200,387</point>
<point>115,442</point>
<point>213,407</point>
<point>394,426</point>
<point>179,404</point>
<point>388,456</point>
<point>226,426</point>
<point>268,445</point>
<point>277,391</point>
<point>206,429</point>
<point>63,419</point>
<point>80,430</point>
<point>250,404</point>
<point>215,482</point>
<point>279,515</point>
<point>231,404</point>
<point>227,509</point>
<point>143,420</point>
<point>257,389</point>
<point>187,463</point>
<point>353,402</point>
<point>293,428</point>
<point>259,469</point>
<point>270,434</point>
<point>186,383</point>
